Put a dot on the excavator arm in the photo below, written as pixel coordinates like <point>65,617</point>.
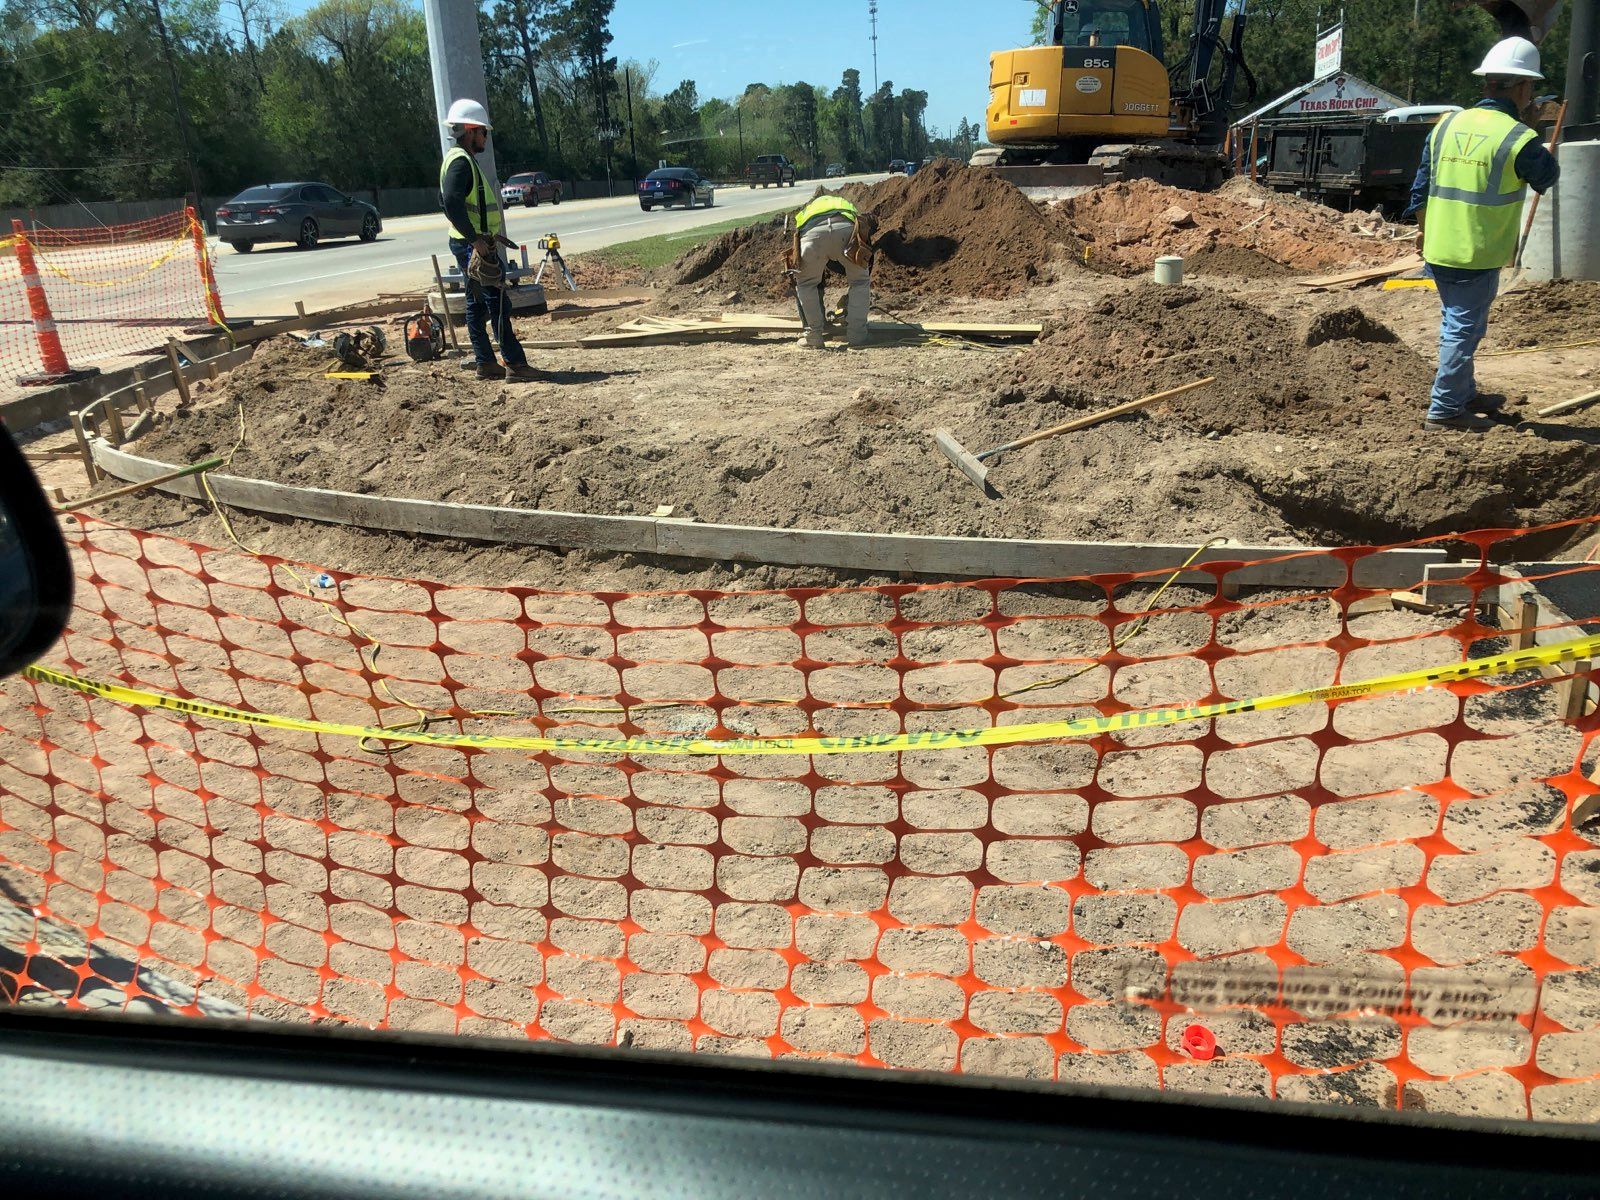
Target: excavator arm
<point>1531,19</point>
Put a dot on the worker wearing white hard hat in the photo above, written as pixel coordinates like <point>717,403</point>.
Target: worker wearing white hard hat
<point>477,225</point>
<point>1477,167</point>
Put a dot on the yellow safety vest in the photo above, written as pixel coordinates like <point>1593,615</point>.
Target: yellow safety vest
<point>1475,195</point>
<point>482,211</point>
<point>821,207</point>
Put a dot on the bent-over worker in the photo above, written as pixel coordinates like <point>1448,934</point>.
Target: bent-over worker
<point>831,230</point>
<point>476,225</point>
<point>1477,166</point>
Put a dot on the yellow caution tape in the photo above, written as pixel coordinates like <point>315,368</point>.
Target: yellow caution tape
<point>1005,735</point>
<point>1395,285</point>
<point>161,261</point>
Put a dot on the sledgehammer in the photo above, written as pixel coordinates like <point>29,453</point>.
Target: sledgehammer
<point>974,467</point>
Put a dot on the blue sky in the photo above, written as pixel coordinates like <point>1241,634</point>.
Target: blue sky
<point>939,46</point>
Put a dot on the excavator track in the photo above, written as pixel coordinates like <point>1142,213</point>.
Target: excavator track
<point>1175,164</point>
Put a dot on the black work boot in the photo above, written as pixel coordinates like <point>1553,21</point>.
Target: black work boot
<point>491,370</point>
<point>1465,423</point>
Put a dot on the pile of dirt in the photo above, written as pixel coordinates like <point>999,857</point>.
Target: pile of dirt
<point>1127,226</point>
<point>1338,370</point>
<point>947,230</point>
<point>1546,314</point>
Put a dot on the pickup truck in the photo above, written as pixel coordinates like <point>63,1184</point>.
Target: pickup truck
<point>769,169</point>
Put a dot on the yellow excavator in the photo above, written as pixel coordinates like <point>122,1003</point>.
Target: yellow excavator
<point>1098,102</point>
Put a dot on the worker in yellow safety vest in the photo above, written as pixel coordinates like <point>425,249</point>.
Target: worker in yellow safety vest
<point>831,230</point>
<point>1477,167</point>
<point>476,225</point>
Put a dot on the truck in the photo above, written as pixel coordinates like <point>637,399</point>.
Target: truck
<point>1346,162</point>
<point>770,169</point>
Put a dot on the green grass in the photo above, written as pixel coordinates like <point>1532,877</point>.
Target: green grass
<point>648,253</point>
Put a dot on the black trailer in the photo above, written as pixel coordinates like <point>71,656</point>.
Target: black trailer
<point>1345,162</point>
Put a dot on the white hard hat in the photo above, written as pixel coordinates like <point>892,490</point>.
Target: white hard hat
<point>468,112</point>
<point>1513,58</point>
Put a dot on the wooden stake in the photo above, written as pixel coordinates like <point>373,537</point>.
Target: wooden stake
<point>1577,691</point>
<point>177,372</point>
<point>1524,617</point>
<point>299,308</point>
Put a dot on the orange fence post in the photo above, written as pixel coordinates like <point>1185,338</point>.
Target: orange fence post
<point>208,281</point>
<point>51,354</point>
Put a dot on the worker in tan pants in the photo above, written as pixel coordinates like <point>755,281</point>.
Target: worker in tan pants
<point>830,230</point>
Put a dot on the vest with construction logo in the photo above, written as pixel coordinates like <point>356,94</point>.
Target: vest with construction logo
<point>1474,192</point>
<point>821,207</point>
<point>482,211</point>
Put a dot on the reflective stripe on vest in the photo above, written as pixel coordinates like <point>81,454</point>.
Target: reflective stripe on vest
<point>1475,196</point>
<point>822,206</point>
<point>482,212</point>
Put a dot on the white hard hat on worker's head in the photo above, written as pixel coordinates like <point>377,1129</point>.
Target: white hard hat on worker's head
<point>1514,58</point>
<point>468,112</point>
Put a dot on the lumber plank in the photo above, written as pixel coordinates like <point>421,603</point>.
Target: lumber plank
<point>922,554</point>
<point>328,317</point>
<point>1576,402</point>
<point>1398,267</point>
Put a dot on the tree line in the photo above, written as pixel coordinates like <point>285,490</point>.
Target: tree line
<point>1424,53</point>
<point>132,99</point>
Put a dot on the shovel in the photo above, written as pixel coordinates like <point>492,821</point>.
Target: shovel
<point>975,468</point>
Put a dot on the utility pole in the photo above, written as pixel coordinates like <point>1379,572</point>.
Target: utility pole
<point>633,148</point>
<point>872,13</point>
<point>1583,65</point>
<point>455,55</point>
<point>1416,49</point>
<point>179,111</point>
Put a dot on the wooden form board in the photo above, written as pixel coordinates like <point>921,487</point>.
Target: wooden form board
<point>651,330</point>
<point>944,557</point>
<point>1346,278</point>
<point>349,314</point>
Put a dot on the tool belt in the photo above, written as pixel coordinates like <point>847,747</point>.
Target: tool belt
<point>863,245</point>
<point>486,270</point>
<point>489,270</point>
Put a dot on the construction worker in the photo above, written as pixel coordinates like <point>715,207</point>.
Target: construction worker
<point>1476,169</point>
<point>477,229</point>
<point>831,230</point>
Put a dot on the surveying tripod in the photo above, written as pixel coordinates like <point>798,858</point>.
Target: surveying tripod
<point>551,245</point>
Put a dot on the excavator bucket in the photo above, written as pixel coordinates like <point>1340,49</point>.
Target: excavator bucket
<point>1531,19</point>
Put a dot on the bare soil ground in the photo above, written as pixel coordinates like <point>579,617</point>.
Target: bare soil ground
<point>1045,872</point>
<point>1312,433</point>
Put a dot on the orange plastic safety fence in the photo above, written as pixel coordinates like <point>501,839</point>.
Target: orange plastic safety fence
<point>111,291</point>
<point>1386,900</point>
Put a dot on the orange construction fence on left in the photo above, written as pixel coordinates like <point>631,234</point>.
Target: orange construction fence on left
<point>74,299</point>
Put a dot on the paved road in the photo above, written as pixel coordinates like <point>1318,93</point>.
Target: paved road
<point>270,280</point>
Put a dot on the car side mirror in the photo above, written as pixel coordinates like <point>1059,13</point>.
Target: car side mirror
<point>35,572</point>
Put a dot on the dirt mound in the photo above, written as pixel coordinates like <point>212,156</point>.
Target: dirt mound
<point>1343,369</point>
<point>1129,225</point>
<point>1237,261</point>
<point>947,230</point>
<point>1546,314</point>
